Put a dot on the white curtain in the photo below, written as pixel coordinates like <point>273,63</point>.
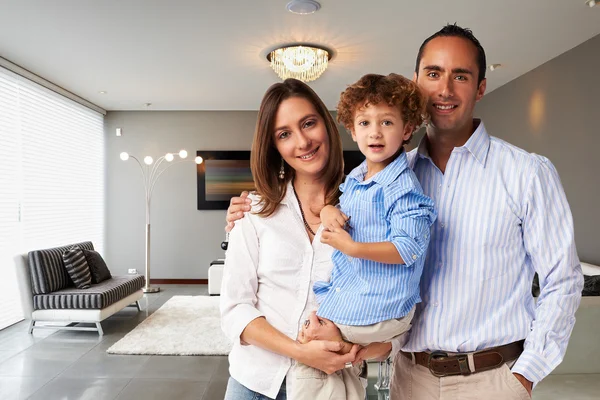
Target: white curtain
<point>51,177</point>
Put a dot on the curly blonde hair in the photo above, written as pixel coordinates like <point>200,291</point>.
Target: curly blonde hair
<point>393,89</point>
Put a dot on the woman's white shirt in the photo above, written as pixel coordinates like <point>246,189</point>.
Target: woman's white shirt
<point>270,269</point>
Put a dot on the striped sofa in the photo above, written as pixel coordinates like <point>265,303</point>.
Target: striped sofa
<point>53,296</point>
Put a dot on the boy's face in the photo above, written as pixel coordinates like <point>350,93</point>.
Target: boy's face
<point>379,132</point>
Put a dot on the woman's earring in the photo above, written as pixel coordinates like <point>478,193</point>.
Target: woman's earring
<point>282,171</point>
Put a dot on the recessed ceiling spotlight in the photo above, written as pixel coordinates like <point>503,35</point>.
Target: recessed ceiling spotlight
<point>493,67</point>
<point>303,7</point>
<point>102,92</point>
<point>591,3</point>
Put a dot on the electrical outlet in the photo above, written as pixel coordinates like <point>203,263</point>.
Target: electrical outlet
<point>132,271</point>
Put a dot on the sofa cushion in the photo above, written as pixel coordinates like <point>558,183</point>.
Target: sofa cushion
<point>47,268</point>
<point>77,267</point>
<point>97,296</point>
<point>98,268</point>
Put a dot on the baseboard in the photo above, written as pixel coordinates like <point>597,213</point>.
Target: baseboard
<point>179,281</point>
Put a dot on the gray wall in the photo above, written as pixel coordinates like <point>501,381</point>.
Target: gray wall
<point>551,110</point>
<point>554,111</point>
<point>184,240</point>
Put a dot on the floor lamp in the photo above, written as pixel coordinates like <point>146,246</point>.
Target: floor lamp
<point>151,171</point>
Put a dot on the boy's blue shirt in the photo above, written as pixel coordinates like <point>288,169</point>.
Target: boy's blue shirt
<point>388,207</point>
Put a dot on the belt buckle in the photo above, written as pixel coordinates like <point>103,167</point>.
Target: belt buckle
<point>463,364</point>
<point>435,356</point>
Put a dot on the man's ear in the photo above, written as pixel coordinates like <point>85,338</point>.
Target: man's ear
<point>414,76</point>
<point>481,89</point>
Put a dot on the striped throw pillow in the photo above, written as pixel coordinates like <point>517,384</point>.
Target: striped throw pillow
<point>77,267</point>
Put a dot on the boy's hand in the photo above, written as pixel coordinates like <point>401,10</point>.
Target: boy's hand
<point>318,329</point>
<point>237,207</point>
<point>339,239</point>
<point>332,218</point>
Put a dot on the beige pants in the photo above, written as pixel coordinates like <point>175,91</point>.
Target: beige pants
<point>313,384</point>
<point>415,382</point>
<point>347,384</point>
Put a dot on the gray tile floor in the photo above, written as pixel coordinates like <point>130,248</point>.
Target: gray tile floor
<point>53,364</point>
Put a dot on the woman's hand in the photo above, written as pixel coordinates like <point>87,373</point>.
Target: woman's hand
<point>374,351</point>
<point>322,355</point>
<point>237,207</point>
<point>332,218</point>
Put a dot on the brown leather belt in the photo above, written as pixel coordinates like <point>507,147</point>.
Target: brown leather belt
<point>441,364</point>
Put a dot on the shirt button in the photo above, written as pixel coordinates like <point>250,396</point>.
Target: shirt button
<point>436,304</point>
<point>443,226</point>
<point>414,256</point>
<point>337,289</point>
<point>439,263</point>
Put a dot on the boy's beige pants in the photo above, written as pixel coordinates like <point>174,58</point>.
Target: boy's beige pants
<point>347,384</point>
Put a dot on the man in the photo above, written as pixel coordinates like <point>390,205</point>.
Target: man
<point>502,216</point>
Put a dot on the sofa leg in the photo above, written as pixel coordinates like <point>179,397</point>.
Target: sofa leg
<point>137,304</point>
<point>99,327</point>
<point>31,326</point>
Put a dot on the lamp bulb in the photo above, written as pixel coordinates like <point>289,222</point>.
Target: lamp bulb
<point>148,160</point>
<point>169,157</point>
<point>183,154</point>
<point>198,160</point>
<point>124,156</point>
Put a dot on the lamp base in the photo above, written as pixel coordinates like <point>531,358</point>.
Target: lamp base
<point>151,289</point>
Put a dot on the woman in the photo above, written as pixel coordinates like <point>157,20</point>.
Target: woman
<point>275,253</point>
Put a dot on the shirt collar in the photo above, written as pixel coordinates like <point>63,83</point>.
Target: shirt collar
<point>478,144</point>
<point>384,177</point>
<point>289,194</point>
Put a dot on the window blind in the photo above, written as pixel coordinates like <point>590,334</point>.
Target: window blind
<point>52,185</point>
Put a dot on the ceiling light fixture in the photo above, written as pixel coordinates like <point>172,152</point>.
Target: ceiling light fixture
<point>303,62</point>
<point>493,67</point>
<point>303,7</point>
<point>102,92</point>
<point>591,3</point>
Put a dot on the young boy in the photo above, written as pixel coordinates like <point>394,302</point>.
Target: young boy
<point>379,259</point>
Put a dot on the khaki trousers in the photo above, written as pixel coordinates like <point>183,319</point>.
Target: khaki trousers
<point>414,382</point>
<point>313,384</point>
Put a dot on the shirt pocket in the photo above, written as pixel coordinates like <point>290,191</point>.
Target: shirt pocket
<point>368,221</point>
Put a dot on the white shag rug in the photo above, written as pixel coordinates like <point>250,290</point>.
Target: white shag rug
<point>184,325</point>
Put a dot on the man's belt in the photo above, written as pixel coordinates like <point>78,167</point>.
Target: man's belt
<point>441,364</point>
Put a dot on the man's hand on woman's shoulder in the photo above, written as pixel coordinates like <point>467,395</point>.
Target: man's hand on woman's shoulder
<point>237,207</point>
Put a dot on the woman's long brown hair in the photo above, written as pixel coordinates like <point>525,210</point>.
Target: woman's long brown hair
<point>265,160</point>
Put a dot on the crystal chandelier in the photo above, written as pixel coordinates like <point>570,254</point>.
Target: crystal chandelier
<point>302,62</point>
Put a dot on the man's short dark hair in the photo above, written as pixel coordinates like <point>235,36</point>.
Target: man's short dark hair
<point>453,30</point>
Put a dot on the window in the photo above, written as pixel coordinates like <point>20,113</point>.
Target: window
<point>51,177</point>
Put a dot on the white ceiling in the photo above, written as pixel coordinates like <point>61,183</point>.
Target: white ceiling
<point>209,55</point>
